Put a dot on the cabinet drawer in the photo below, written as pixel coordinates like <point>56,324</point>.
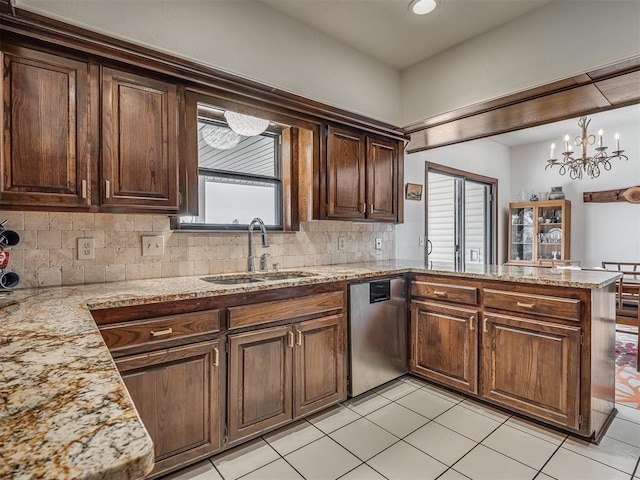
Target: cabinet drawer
<point>145,332</point>
<point>267,312</point>
<point>564,308</point>
<point>444,291</point>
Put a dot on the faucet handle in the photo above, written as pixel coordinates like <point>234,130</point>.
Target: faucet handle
<point>263,262</point>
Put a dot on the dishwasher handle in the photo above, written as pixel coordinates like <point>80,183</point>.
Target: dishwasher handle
<point>379,291</point>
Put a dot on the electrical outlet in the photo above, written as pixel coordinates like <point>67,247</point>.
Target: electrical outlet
<point>421,240</point>
<point>342,243</point>
<point>378,243</point>
<point>86,249</point>
<point>152,245</point>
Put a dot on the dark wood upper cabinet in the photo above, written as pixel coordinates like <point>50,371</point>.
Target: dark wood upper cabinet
<point>345,174</point>
<point>362,176</point>
<point>45,128</point>
<point>139,142</point>
<point>382,179</point>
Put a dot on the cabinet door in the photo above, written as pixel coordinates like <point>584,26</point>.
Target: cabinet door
<point>444,345</point>
<point>382,179</point>
<point>533,366</point>
<point>345,175</point>
<point>139,143</point>
<point>319,364</point>
<point>177,394</point>
<point>45,130</point>
<point>260,380</point>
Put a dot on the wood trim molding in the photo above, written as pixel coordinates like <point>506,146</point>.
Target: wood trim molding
<point>36,29</point>
<point>603,89</point>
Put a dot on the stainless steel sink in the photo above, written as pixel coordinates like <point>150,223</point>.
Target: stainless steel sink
<point>239,279</point>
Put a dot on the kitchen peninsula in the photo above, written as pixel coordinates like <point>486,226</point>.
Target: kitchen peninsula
<point>65,409</point>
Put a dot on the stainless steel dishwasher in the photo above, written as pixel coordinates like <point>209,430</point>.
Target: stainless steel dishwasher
<point>377,333</point>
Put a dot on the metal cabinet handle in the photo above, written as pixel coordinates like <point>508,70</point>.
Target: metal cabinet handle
<point>83,187</point>
<point>525,305</point>
<point>299,339</point>
<point>162,333</point>
<point>216,359</point>
<point>107,189</point>
<point>362,207</point>
<point>371,208</point>
<point>471,319</point>
<point>290,342</point>
<point>484,325</point>
<point>439,293</point>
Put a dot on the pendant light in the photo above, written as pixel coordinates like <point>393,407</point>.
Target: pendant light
<point>245,125</point>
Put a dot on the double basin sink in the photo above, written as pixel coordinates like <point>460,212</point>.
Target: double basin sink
<point>259,277</point>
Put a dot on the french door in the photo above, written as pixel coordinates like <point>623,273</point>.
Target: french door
<point>460,218</point>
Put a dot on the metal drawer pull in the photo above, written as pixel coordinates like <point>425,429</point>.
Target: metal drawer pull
<point>471,319</point>
<point>216,359</point>
<point>84,189</point>
<point>439,293</point>
<point>299,340</point>
<point>162,333</point>
<point>107,189</point>
<point>362,207</point>
<point>525,305</point>
<point>290,335</point>
<point>484,325</point>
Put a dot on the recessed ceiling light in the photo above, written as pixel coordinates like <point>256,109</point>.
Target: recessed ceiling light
<point>422,7</point>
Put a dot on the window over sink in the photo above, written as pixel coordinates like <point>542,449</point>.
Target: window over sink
<point>239,177</point>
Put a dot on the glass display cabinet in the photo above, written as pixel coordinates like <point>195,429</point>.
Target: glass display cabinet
<point>539,232</point>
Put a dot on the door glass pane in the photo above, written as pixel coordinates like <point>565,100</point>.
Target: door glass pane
<point>475,223</point>
<point>522,234</point>
<point>441,225</point>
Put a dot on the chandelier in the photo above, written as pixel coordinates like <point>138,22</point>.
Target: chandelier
<point>593,165</point>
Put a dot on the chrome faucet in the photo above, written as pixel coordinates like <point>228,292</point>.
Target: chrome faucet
<point>265,242</point>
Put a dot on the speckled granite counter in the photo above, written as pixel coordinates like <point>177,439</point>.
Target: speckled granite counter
<point>64,410</point>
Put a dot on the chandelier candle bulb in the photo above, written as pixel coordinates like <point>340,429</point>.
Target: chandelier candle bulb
<point>617,137</point>
<point>600,132</point>
<point>566,143</point>
<point>553,147</point>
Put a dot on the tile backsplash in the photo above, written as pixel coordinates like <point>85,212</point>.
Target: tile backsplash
<point>47,252</point>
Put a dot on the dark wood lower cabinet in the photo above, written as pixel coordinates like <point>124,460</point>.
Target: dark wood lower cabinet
<point>444,344</point>
<point>319,365</point>
<point>533,366</point>
<point>260,380</point>
<point>280,373</point>
<point>178,394</point>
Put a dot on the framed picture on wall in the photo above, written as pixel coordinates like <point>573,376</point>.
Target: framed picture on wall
<point>414,191</point>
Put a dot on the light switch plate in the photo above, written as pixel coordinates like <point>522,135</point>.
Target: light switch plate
<point>152,245</point>
<point>86,249</point>
<point>342,243</point>
<point>378,243</point>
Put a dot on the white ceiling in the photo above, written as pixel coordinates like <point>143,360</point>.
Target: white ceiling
<point>389,32</point>
<point>555,132</point>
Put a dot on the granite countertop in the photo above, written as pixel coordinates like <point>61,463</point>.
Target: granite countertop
<point>64,410</point>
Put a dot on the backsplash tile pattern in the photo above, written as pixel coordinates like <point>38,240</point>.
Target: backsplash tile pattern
<point>47,252</point>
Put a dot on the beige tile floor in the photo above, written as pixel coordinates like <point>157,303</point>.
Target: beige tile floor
<point>409,429</point>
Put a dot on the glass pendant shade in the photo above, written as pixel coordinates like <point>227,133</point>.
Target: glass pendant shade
<point>221,138</point>
<point>246,125</point>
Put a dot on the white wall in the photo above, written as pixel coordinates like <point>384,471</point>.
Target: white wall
<point>483,157</point>
<point>599,231</point>
<point>247,38</point>
<point>559,40</point>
